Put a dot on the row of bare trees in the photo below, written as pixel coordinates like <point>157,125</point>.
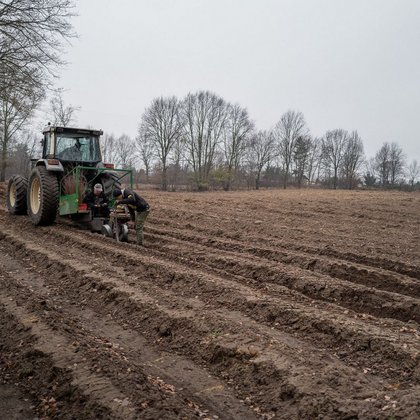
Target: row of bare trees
<point>207,135</point>
<point>206,142</point>
<point>389,164</point>
<point>197,131</point>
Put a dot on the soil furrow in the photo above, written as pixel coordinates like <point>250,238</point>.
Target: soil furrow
<point>371,277</point>
<point>285,304</point>
<point>221,349</point>
<point>209,236</point>
<point>50,353</point>
<point>288,310</point>
<point>353,296</point>
<point>132,359</point>
<point>233,348</point>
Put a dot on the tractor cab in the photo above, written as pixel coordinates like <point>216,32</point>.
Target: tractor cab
<point>72,145</point>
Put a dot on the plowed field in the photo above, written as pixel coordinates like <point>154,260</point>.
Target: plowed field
<point>271,304</point>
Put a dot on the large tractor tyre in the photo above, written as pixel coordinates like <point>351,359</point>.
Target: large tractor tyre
<point>110,182</point>
<point>42,196</point>
<point>16,200</point>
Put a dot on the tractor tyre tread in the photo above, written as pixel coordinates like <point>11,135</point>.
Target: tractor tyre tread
<point>21,186</point>
<point>49,197</point>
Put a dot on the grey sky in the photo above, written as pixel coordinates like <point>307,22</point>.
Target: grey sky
<point>351,64</point>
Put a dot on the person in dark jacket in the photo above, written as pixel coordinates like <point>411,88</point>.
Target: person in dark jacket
<point>137,206</point>
<point>97,202</point>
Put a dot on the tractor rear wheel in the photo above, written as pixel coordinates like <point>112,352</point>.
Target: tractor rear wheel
<point>16,195</point>
<point>42,196</point>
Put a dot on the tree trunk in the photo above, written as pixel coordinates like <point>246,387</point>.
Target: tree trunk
<point>147,173</point>
<point>257,181</point>
<point>335,179</point>
<point>3,165</point>
<point>164,179</point>
<point>3,159</point>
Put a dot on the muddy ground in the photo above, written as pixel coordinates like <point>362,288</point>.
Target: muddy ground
<point>271,304</point>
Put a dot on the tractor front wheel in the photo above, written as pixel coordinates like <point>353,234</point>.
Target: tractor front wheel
<point>42,196</point>
<point>16,195</point>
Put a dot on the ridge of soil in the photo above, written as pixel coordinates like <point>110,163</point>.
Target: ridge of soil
<point>262,304</point>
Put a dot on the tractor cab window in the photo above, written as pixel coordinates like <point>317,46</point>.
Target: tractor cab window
<point>46,145</point>
<point>77,148</point>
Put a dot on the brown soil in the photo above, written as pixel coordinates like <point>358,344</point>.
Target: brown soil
<point>270,304</point>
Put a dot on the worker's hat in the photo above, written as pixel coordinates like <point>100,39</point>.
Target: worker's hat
<point>117,192</point>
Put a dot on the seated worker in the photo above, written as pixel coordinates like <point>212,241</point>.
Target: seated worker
<point>97,202</point>
<point>73,152</point>
<point>137,206</point>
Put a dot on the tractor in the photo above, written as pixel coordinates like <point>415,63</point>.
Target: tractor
<point>55,185</point>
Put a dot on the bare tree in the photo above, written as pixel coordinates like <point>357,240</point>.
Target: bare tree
<point>413,172</point>
<point>301,157</point>
<point>382,165</point>
<point>31,39</point>
<point>23,148</point>
<point>291,126</point>
<point>177,157</point>
<point>353,158</point>
<point>32,34</point>
<point>15,111</point>
<point>62,114</point>
<point>334,146</point>
<point>145,149</point>
<point>204,116</point>
<point>261,151</point>
<point>162,124</point>
<point>314,159</point>
<point>109,146</point>
<point>125,155</point>
<point>32,142</point>
<point>237,129</point>
<point>369,176</point>
<point>390,163</point>
<point>19,157</point>
<point>396,162</point>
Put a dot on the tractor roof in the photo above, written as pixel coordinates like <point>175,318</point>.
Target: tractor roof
<point>72,130</point>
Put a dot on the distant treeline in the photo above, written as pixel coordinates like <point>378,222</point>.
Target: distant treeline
<point>203,143</point>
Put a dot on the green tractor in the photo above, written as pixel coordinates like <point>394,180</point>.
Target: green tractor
<point>71,164</point>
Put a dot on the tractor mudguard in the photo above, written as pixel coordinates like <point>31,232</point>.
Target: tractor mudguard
<point>53,165</point>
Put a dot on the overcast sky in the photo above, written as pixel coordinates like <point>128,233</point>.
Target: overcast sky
<point>351,64</point>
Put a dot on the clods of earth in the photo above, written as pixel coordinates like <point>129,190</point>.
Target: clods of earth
<point>241,305</point>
